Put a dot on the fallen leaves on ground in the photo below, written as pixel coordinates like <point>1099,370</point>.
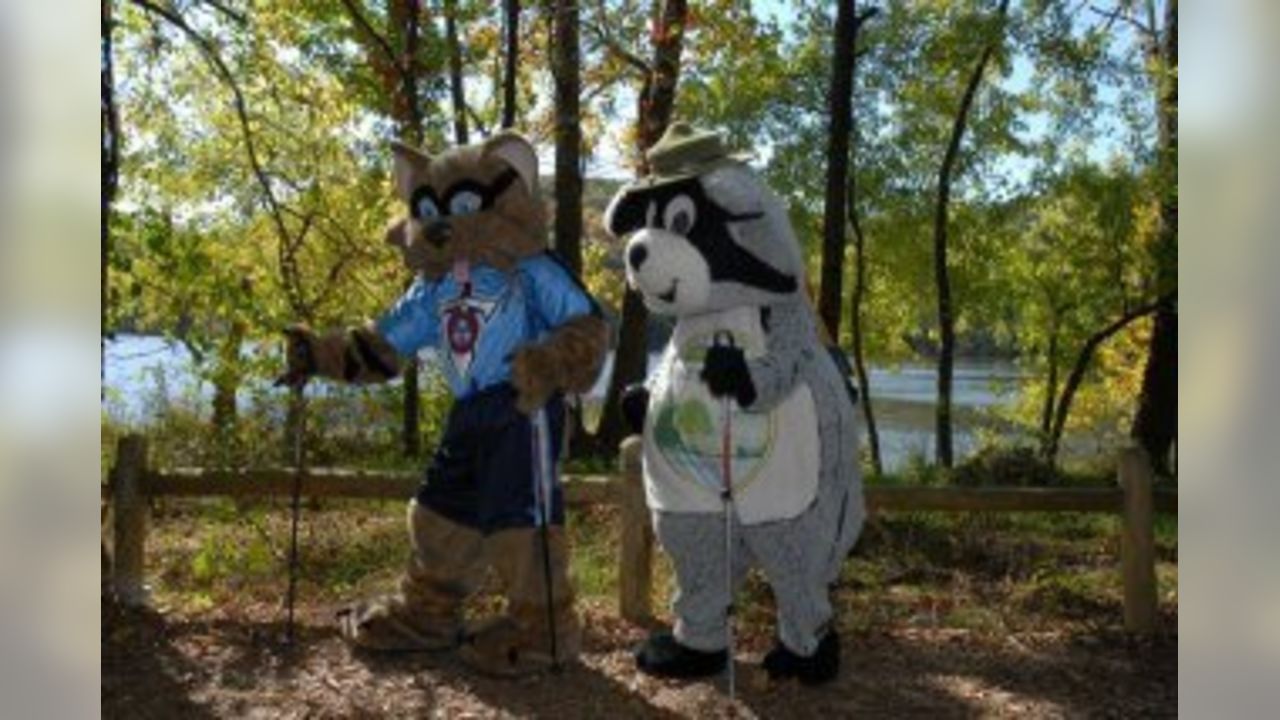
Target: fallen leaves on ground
<point>232,662</point>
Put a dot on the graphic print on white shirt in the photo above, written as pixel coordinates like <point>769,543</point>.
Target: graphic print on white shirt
<point>774,457</point>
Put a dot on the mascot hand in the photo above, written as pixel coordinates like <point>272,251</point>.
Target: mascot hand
<point>533,373</point>
<point>299,356</point>
<point>724,370</point>
<point>635,405</point>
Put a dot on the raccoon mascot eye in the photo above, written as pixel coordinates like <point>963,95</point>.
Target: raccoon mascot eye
<point>680,215</point>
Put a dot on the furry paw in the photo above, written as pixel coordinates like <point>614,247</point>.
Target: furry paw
<point>533,373</point>
<point>635,406</point>
<point>816,669</point>
<point>390,624</point>
<point>663,656</point>
<point>725,371</point>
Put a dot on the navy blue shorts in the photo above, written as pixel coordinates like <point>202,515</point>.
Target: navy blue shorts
<point>483,474</point>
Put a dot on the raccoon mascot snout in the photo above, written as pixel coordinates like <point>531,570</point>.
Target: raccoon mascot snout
<point>711,244</point>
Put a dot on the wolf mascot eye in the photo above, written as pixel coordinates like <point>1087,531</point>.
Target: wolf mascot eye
<point>710,244</point>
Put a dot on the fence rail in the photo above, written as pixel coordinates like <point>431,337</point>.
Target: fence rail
<point>132,482</point>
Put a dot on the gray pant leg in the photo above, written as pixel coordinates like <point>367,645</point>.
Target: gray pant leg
<point>802,557</point>
<point>696,545</point>
<point>797,570</point>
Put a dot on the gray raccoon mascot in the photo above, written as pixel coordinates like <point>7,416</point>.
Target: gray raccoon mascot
<point>710,244</point>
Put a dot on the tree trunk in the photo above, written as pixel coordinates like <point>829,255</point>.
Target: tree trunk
<point>840,109</point>
<point>860,262</point>
<point>1155,424</point>
<point>1051,386</point>
<point>227,377</point>
<point>110,129</point>
<point>942,274</point>
<point>566,75</point>
<point>457,90</point>
<point>656,102</point>
<point>511,15</point>
<point>568,132</point>
<point>404,16</point>
<point>1063,409</point>
<point>855,324</point>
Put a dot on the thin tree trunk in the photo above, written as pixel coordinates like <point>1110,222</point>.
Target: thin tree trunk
<point>656,102</point>
<point>511,13</point>
<point>457,90</point>
<point>1051,385</point>
<point>860,261</point>
<point>855,325</point>
<point>568,132</point>
<point>942,274</point>
<point>840,111</point>
<point>1083,358</point>
<point>110,179</point>
<point>404,17</point>
<point>566,75</point>
<point>1155,424</point>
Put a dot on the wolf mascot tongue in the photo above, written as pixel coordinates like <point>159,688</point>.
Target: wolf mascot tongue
<point>710,244</point>
<point>513,330</point>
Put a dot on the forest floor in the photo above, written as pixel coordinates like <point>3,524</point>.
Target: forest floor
<point>986,616</point>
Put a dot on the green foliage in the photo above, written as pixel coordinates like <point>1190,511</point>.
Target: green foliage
<point>1052,221</point>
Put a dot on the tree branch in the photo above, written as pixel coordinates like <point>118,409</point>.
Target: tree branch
<point>235,16</point>
<point>611,44</point>
<point>372,36</point>
<point>1082,365</point>
<point>862,17</point>
<point>287,267</point>
<point>1120,13</point>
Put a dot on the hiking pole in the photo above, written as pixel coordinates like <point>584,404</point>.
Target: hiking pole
<point>723,338</point>
<point>544,472</point>
<point>297,383</point>
<point>298,400</point>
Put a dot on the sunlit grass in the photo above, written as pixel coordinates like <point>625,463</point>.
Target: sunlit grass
<point>980,572</point>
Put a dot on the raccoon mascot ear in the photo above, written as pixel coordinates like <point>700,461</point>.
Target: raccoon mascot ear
<point>408,167</point>
<point>515,151</point>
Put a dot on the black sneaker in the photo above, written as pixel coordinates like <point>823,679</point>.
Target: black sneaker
<point>663,656</point>
<point>816,669</point>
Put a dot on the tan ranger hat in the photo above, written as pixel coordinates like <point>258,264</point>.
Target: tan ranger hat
<point>685,151</point>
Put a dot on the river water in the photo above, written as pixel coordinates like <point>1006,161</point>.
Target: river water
<point>139,369</point>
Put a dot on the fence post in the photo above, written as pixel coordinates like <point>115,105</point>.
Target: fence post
<point>129,525</point>
<point>1137,545</point>
<point>635,561</point>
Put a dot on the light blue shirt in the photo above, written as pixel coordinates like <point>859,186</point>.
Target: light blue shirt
<point>476,334</point>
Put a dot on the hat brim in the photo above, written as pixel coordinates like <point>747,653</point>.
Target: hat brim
<point>659,179</point>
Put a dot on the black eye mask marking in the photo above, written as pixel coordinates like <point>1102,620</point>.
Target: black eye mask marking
<point>489,194</point>
<point>727,260</point>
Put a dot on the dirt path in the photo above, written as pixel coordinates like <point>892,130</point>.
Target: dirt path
<point>233,665</point>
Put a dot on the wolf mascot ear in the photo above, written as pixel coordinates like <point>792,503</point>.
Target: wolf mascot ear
<point>408,165</point>
<point>515,151</point>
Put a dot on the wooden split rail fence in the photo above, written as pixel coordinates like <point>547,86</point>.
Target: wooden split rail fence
<point>133,481</point>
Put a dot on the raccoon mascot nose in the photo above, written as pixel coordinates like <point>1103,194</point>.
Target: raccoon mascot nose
<point>636,255</point>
